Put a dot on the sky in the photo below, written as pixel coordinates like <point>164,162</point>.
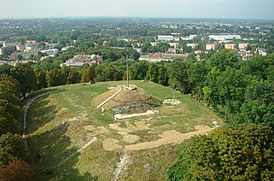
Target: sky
<point>232,9</point>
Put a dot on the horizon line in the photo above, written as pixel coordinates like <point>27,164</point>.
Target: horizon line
<point>140,17</point>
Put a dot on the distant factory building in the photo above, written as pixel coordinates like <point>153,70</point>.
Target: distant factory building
<point>224,37</point>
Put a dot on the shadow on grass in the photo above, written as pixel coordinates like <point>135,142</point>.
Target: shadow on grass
<point>56,158</point>
<point>40,112</point>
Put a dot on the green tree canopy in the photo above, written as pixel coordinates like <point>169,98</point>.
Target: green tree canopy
<point>227,154</point>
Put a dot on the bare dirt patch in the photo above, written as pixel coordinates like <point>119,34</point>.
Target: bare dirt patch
<point>169,137</point>
<point>89,128</point>
<point>130,138</point>
<point>111,144</point>
<point>101,130</point>
<point>140,125</point>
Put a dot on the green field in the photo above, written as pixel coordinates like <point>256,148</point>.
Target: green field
<point>55,135</point>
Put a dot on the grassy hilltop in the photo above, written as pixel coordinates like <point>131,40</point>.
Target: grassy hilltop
<point>97,147</point>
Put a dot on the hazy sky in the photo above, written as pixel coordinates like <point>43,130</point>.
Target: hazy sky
<point>240,9</point>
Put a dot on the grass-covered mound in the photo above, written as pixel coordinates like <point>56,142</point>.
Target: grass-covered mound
<point>128,100</point>
<point>54,132</point>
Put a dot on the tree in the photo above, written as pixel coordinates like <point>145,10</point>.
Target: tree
<point>210,90</point>
<point>138,70</point>
<point>18,170</point>
<point>231,87</point>
<point>73,76</point>
<point>26,77</point>
<point>196,77</point>
<point>153,72</point>
<point>163,75</point>
<point>8,123</point>
<point>227,154</point>
<point>259,67</point>
<point>163,47</point>
<point>55,77</point>
<point>178,77</point>
<point>40,78</point>
<point>9,50</point>
<point>10,96</point>
<point>222,59</point>
<point>88,74</point>
<point>11,147</point>
<point>258,106</point>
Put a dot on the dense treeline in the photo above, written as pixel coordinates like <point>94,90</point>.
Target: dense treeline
<point>245,153</point>
<point>243,93</point>
<point>12,150</point>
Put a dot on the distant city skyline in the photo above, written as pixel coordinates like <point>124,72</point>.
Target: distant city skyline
<point>227,9</point>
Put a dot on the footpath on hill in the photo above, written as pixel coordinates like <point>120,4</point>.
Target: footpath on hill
<point>25,111</point>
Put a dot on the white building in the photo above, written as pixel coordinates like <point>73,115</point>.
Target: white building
<point>1,51</point>
<point>50,52</point>
<point>66,48</point>
<point>224,37</point>
<point>190,37</point>
<point>192,45</point>
<point>165,38</point>
<point>261,51</point>
<point>79,60</point>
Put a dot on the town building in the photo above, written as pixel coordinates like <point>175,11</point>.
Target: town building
<point>51,45</point>
<point>192,45</point>
<point>174,45</point>
<point>190,37</point>
<point>224,37</point>
<point>211,46</point>
<point>139,50</point>
<point>10,44</point>
<point>243,46</point>
<point>1,51</point>
<point>153,43</point>
<point>165,38</point>
<point>198,52</point>
<point>171,50</point>
<point>50,52</point>
<point>230,46</point>
<point>66,48</point>
<point>79,60</point>
<point>261,51</point>
<point>30,42</point>
<point>20,48</point>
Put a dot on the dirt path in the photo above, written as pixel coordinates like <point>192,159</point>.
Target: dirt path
<point>121,166</point>
<point>169,137</point>
<point>25,111</point>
